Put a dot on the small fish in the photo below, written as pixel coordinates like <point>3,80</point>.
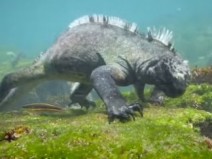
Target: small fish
<point>42,107</point>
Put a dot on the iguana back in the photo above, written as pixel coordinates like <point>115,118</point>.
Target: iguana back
<point>111,37</point>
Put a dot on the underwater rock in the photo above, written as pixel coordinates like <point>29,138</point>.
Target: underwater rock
<point>206,128</point>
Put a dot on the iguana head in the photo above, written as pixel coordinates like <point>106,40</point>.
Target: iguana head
<point>172,75</point>
<point>166,69</point>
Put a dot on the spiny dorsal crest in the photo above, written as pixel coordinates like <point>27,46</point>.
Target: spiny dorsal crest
<point>40,57</point>
<point>105,20</point>
<point>163,35</point>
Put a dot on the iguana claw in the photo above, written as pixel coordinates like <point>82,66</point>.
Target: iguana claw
<point>125,113</point>
<point>137,107</point>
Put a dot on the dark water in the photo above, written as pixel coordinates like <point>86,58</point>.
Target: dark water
<point>31,26</point>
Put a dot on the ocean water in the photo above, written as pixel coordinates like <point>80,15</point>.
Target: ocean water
<point>31,26</point>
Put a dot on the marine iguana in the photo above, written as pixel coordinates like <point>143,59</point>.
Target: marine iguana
<point>103,52</point>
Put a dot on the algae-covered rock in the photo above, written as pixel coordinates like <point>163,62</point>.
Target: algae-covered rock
<point>161,133</point>
<point>196,96</point>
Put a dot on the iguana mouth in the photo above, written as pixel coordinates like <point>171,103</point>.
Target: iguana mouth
<point>173,91</point>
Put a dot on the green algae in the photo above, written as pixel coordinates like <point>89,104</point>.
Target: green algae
<point>162,133</point>
<point>196,96</point>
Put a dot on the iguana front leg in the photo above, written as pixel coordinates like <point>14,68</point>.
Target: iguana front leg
<point>157,96</point>
<point>139,89</point>
<point>104,80</point>
<point>79,94</point>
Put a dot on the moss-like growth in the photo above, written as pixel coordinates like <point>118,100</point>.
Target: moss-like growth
<point>196,96</point>
<point>161,133</point>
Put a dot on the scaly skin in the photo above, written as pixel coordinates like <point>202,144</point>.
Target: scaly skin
<point>103,56</point>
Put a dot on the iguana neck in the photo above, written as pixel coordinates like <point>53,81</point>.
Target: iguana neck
<point>145,70</point>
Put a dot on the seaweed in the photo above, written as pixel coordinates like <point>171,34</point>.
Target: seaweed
<point>15,133</point>
<point>162,133</point>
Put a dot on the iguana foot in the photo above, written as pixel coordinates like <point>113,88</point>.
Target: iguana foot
<point>157,97</point>
<point>159,100</point>
<point>88,104</point>
<point>124,113</point>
